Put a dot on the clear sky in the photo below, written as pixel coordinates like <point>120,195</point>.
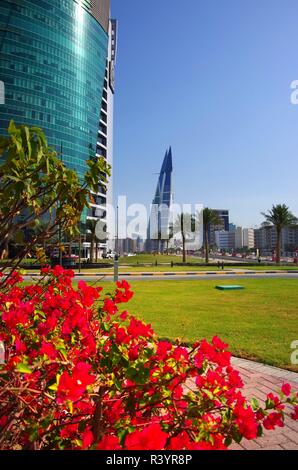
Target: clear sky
<point>211,78</point>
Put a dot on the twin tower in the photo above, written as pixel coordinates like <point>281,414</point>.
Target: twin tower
<point>158,226</point>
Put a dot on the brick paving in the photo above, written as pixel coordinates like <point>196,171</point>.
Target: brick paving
<point>259,380</point>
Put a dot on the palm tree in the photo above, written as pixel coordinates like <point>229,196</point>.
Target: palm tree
<point>210,216</point>
<point>184,225</point>
<point>279,216</point>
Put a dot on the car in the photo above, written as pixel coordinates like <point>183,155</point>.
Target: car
<point>111,255</point>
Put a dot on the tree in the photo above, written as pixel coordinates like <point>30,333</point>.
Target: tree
<point>184,225</point>
<point>210,216</point>
<point>38,194</point>
<point>279,216</point>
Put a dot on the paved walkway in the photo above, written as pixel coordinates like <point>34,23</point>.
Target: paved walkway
<point>259,380</point>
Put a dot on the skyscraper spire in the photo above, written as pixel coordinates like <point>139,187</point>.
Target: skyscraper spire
<point>159,217</point>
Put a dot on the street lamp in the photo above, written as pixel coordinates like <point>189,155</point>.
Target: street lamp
<point>59,231</point>
<point>116,256</point>
<point>80,251</point>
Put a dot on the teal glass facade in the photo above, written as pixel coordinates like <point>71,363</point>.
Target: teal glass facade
<point>52,61</point>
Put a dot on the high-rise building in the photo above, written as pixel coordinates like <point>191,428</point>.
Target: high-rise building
<point>244,237</point>
<point>248,238</point>
<point>266,239</point>
<point>223,215</point>
<point>158,227</point>
<point>224,240</point>
<point>57,65</point>
<point>104,198</point>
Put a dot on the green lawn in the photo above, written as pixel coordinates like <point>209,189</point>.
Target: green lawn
<point>272,267</point>
<point>259,322</point>
<point>152,259</point>
<point>161,259</point>
<point>159,268</point>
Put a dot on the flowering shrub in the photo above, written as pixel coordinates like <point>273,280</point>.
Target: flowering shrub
<point>81,373</point>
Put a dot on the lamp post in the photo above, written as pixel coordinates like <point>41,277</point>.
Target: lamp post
<point>80,251</point>
<point>116,256</point>
<point>59,232</point>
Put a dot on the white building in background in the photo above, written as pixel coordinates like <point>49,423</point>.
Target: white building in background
<point>103,200</point>
<point>248,238</point>
<point>238,237</point>
<point>244,237</point>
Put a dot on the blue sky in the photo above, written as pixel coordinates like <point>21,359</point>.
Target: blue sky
<point>211,78</point>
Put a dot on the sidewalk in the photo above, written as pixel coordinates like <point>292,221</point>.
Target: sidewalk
<point>260,379</point>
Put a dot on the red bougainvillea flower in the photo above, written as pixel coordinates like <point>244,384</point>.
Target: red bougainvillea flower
<point>275,401</point>
<point>71,387</point>
<point>181,442</point>
<point>163,347</point>
<point>124,315</point>
<point>90,294</point>
<point>109,443</point>
<point>123,293</point>
<point>133,353</point>
<point>69,431</point>
<point>286,389</point>
<point>137,328</point>
<point>218,343</point>
<point>246,421</point>
<point>121,335</point>
<point>150,438</point>
<point>49,350</point>
<point>294,415</point>
<point>87,438</point>
<point>109,307</point>
<point>272,420</point>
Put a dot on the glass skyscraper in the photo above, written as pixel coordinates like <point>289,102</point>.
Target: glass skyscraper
<point>53,60</point>
<point>56,62</point>
<point>158,227</point>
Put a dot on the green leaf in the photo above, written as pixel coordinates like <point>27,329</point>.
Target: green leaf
<point>23,368</point>
<point>260,431</point>
<point>11,128</point>
<point>53,387</point>
<point>27,133</point>
<point>237,436</point>
<point>228,441</point>
<point>255,404</point>
<point>208,393</point>
<point>118,385</point>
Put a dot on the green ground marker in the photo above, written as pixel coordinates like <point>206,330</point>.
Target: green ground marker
<point>229,287</point>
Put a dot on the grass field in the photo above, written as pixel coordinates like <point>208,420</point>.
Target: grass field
<point>159,268</point>
<point>160,259</point>
<point>272,267</point>
<point>259,322</point>
<point>163,268</point>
